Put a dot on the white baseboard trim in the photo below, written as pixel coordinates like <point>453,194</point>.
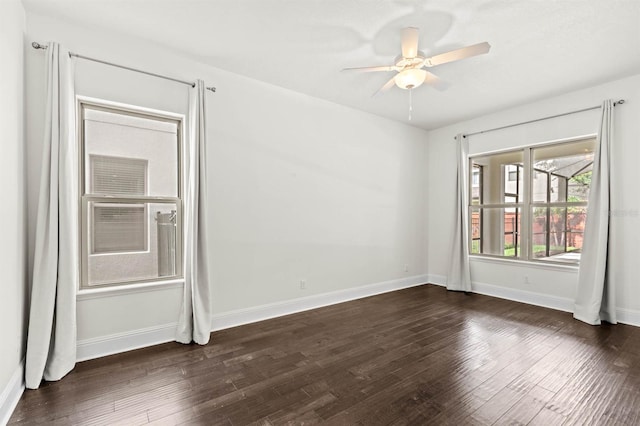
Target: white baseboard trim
<point>11,394</point>
<point>516,295</point>
<point>628,316</point>
<point>529,297</point>
<point>135,339</point>
<point>625,316</point>
<point>277,309</point>
<point>121,342</point>
<point>440,280</point>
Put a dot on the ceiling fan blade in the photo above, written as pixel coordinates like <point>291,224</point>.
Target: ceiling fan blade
<point>373,69</point>
<point>435,81</point>
<point>410,42</point>
<point>458,54</point>
<point>386,86</point>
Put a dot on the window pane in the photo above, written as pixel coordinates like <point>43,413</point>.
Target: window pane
<point>476,184</point>
<point>557,230</point>
<point>118,228</point>
<point>132,241</point>
<point>117,175</point>
<point>512,227</point>
<point>578,187</point>
<point>576,220</point>
<point>540,186</point>
<point>513,183</point>
<point>569,165</point>
<point>539,232</point>
<point>496,231</point>
<point>126,154</point>
<point>557,233</point>
<point>558,188</point>
<point>476,231</point>
<point>501,176</point>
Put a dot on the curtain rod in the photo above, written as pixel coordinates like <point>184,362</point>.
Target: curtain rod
<point>37,45</point>
<point>620,102</point>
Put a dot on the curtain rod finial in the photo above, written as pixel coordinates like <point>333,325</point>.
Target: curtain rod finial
<point>37,45</point>
<point>213,89</point>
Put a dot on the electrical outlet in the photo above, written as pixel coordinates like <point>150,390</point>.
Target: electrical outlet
<point>406,267</point>
<point>526,280</point>
<point>303,285</point>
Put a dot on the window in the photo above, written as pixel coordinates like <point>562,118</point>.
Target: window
<point>131,204</point>
<point>531,203</point>
<point>476,199</point>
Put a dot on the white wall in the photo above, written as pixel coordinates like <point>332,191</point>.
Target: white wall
<point>557,284</point>
<point>299,188</point>
<point>13,287</point>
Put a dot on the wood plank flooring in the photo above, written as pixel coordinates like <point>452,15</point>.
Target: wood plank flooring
<point>420,356</point>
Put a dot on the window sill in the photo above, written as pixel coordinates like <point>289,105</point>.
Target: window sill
<point>526,263</point>
<point>119,290</point>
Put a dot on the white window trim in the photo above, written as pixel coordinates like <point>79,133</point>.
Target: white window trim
<point>98,292</point>
<point>537,264</point>
<point>84,199</point>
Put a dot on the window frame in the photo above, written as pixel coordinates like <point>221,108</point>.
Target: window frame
<point>526,205</point>
<point>85,198</point>
<point>480,175</point>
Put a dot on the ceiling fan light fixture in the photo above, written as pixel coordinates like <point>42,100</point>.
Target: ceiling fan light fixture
<point>409,65</point>
<point>411,78</point>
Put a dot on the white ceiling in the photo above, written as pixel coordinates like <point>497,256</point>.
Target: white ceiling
<point>540,48</point>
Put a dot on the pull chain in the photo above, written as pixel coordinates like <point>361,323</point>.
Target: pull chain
<point>410,103</point>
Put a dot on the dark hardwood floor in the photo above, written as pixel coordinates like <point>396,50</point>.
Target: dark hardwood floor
<point>420,356</point>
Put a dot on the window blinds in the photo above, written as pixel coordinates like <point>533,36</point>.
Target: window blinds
<point>119,227</point>
<point>118,175</point>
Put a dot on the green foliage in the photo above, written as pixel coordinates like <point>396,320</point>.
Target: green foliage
<point>583,178</point>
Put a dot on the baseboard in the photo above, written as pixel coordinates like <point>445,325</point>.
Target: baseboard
<point>11,394</point>
<point>624,316</point>
<point>121,342</point>
<point>135,339</point>
<point>529,297</point>
<point>628,316</point>
<point>440,280</point>
<point>273,310</point>
<point>516,295</point>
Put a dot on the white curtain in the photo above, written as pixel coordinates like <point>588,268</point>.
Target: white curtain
<point>459,277</point>
<point>595,300</point>
<point>194,323</point>
<point>51,341</point>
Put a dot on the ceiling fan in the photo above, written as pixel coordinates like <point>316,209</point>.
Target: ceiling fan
<point>409,65</point>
